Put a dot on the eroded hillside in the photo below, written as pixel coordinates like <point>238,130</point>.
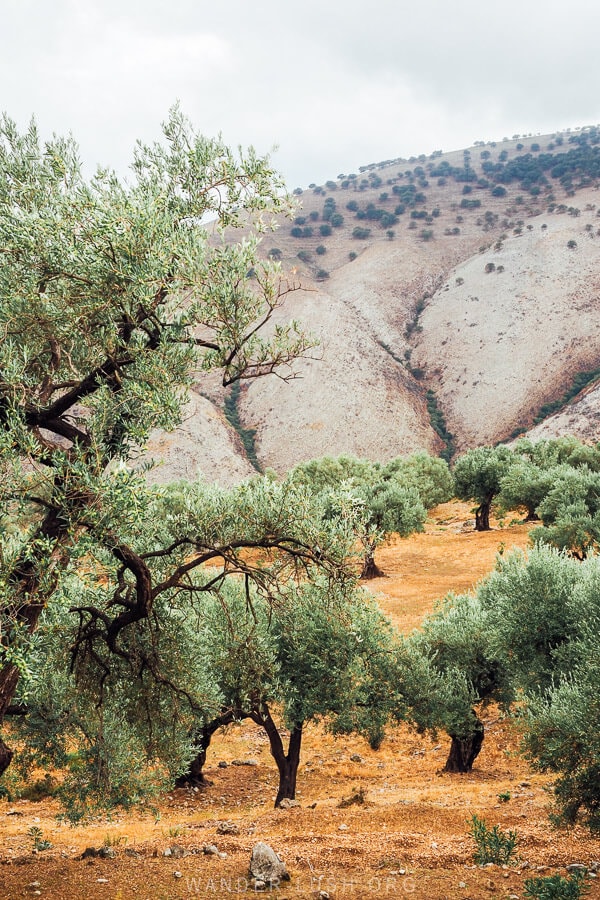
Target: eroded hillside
<point>470,280</point>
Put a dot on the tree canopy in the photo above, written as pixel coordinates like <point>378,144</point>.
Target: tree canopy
<point>379,498</point>
<point>113,294</point>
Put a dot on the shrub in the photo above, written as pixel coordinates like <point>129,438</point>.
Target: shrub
<point>325,230</point>
<point>320,250</point>
<point>555,887</point>
<point>322,275</point>
<point>352,256</point>
<point>493,845</point>
<point>361,234</point>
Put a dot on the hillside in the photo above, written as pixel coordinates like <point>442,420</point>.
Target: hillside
<point>463,284</point>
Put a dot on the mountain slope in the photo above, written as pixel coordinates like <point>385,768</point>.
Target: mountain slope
<point>474,276</point>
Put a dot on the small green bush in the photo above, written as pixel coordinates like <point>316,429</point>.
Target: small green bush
<point>493,845</point>
<point>555,887</point>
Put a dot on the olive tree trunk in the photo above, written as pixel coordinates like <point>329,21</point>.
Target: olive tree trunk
<point>287,763</point>
<point>464,751</point>
<point>195,777</point>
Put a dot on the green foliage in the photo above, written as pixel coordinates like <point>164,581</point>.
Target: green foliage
<point>478,474</point>
<point>529,614</point>
<point>376,500</point>
<point>493,845</point>
<point>111,297</point>
<point>449,666</point>
<point>360,234</point>
<point>525,484</point>
<point>36,834</point>
<point>438,423</point>
<point>570,511</point>
<point>542,621</point>
<point>562,723</point>
<point>580,381</point>
<point>232,414</point>
<point>121,724</point>
<point>556,887</point>
<point>428,475</point>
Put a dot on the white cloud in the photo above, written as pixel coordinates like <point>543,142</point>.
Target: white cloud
<point>335,85</point>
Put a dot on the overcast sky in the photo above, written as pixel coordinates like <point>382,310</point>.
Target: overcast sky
<point>333,85</point>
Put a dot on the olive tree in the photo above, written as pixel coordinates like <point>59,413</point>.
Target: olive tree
<point>562,729</point>
<point>570,511</point>
<point>450,669</point>
<point>507,639</point>
<point>478,475</point>
<point>239,592</point>
<point>112,295</point>
<point>379,499</point>
<point>375,500</point>
<point>545,616</point>
<point>324,652</point>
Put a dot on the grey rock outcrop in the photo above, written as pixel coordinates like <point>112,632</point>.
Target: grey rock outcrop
<point>266,866</point>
